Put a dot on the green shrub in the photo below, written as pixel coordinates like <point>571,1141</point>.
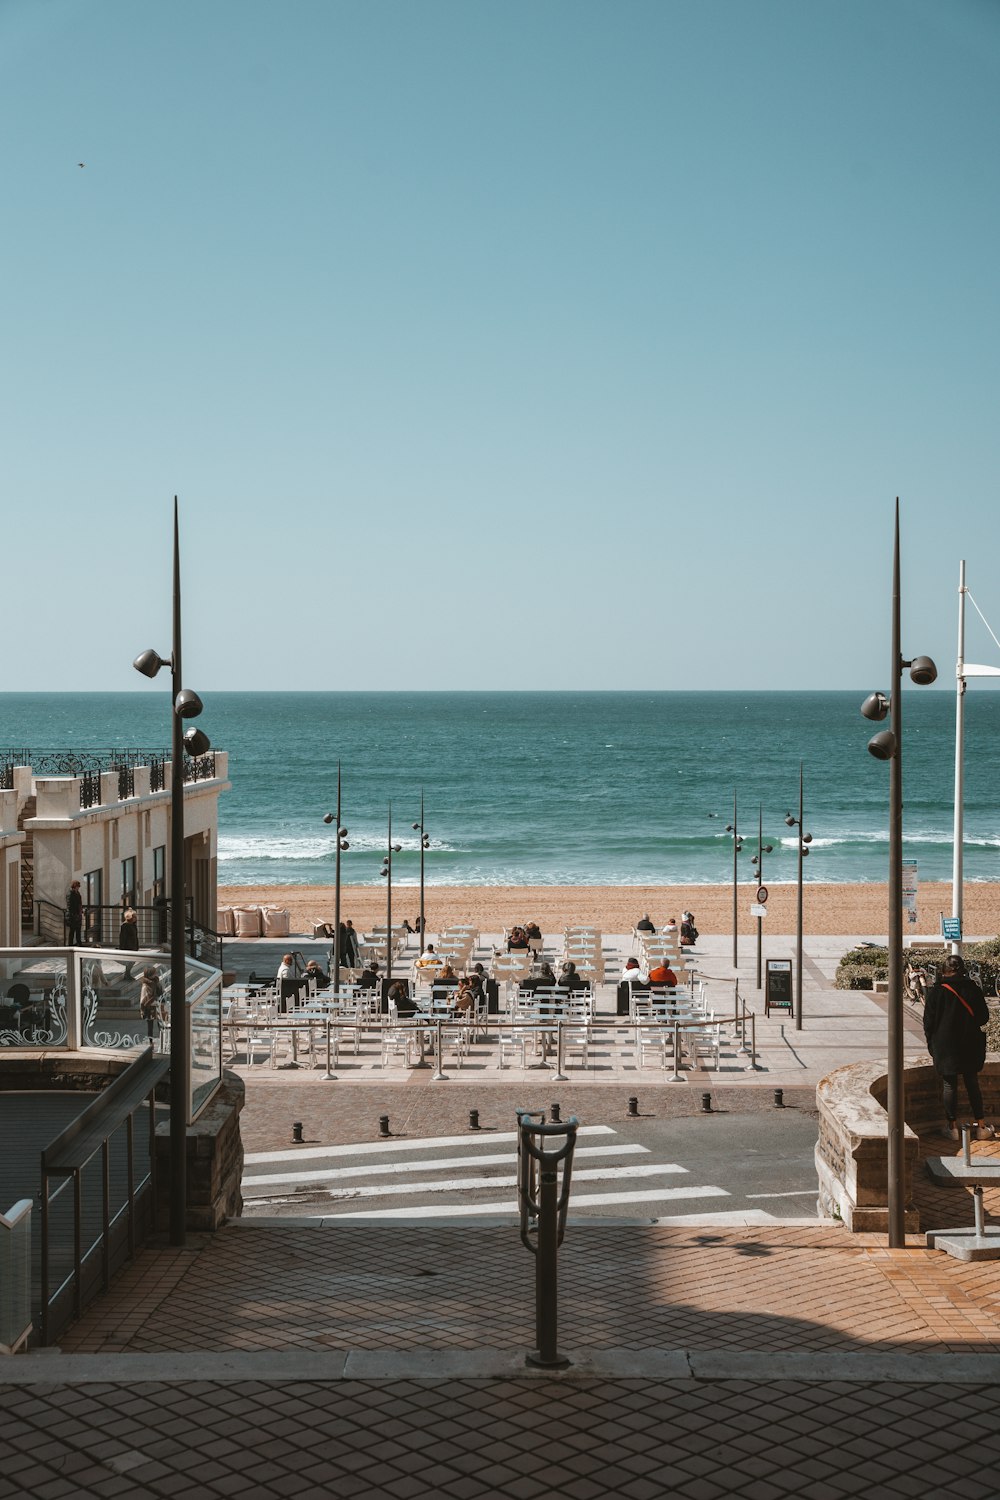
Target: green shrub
<point>861,967</point>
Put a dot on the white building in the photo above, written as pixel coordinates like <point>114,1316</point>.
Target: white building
<point>107,826</point>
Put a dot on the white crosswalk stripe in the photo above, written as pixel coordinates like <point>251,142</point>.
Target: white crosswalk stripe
<point>440,1181</point>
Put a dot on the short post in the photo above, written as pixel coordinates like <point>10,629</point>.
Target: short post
<point>440,1076</point>
<point>633,1107</point>
<point>559,1076</point>
<point>383,1126</point>
<point>329,1076</point>
<point>296,1132</point>
<point>677,1054</point>
<point>967,1144</point>
<point>977,1197</point>
<point>779,1098</point>
<point>473,1119</point>
<point>543,1203</point>
<point>706,1104</point>
<point>555,1114</point>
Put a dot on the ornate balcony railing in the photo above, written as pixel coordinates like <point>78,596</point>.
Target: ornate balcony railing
<point>89,764</point>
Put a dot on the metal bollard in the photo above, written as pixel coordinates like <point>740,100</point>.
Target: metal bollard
<point>473,1119</point>
<point>779,1098</point>
<point>559,1076</point>
<point>440,1076</point>
<point>296,1132</point>
<point>967,1144</point>
<point>633,1106</point>
<point>706,1104</point>
<point>555,1114</point>
<point>977,1196</point>
<point>543,1203</point>
<point>383,1125</point>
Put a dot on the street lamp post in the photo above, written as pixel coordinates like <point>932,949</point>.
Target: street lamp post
<point>341,843</point>
<point>733,829</point>
<point>888,745</point>
<point>804,840</point>
<point>390,850</point>
<point>185,704</point>
<point>758,860</point>
<point>425,843</point>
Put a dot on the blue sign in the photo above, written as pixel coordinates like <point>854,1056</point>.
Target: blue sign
<point>951,929</point>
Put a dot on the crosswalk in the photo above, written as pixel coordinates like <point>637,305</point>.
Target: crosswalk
<point>464,1177</point>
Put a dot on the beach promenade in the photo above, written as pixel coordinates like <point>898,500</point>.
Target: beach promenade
<point>307,1358</point>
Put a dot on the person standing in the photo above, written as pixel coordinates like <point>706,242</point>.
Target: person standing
<point>954,1016</point>
<point>128,938</point>
<point>151,1008</point>
<point>74,916</point>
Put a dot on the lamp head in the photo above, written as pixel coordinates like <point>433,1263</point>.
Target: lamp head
<point>729,827</point>
<point>187,704</point>
<point>807,838</point>
<point>344,844</point>
<point>149,663</point>
<point>342,832</point>
<point>328,817</point>
<point>196,742</point>
<point>397,848</point>
<point>922,671</point>
<point>882,745</point>
<point>768,848</point>
<point>789,820</point>
<point>804,850</point>
<point>875,706</point>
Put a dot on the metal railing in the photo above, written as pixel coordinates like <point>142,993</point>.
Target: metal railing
<point>101,926</point>
<point>103,1204</point>
<point>15,1277</point>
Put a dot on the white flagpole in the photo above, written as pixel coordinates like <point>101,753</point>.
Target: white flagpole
<point>956,874</point>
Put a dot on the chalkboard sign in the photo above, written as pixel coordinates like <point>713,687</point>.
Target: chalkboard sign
<point>778,985</point>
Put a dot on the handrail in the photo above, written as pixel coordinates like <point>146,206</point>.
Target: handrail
<point>73,1145</point>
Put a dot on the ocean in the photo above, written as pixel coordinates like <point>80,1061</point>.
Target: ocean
<point>571,788</point>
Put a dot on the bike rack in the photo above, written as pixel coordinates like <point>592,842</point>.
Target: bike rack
<point>543,1202</point>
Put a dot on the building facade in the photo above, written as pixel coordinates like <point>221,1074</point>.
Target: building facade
<point>107,825</point>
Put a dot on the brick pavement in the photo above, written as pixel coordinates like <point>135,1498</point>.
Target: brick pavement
<point>517,1439</point>
<point>330,1115</point>
<point>272,1285</point>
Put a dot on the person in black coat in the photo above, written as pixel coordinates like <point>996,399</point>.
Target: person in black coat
<point>128,938</point>
<point>954,1015</point>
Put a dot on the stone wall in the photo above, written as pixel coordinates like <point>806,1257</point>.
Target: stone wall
<point>852,1149</point>
<point>214,1161</point>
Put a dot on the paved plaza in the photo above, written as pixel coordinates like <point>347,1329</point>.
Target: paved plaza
<point>308,1357</point>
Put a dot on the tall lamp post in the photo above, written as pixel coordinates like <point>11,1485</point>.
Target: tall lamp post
<point>390,850</point>
<point>804,840</point>
<point>340,844</point>
<point>185,704</point>
<point>888,745</point>
<point>425,843</point>
<point>758,860</point>
<point>733,829</point>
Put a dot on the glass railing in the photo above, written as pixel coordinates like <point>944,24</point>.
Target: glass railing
<point>74,999</point>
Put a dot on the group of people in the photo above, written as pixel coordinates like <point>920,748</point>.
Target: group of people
<point>687,934</point>
<point>661,973</point>
<point>526,936</point>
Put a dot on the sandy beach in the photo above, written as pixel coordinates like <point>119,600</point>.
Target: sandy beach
<point>827,909</point>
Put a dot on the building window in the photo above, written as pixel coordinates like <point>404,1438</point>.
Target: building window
<point>93,916</point>
<point>147,825</point>
<point>128,881</point>
<point>160,873</point>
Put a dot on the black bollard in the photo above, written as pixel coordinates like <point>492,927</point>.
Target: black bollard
<point>779,1098</point>
<point>706,1104</point>
<point>633,1105</point>
<point>473,1119</point>
<point>383,1125</point>
<point>556,1116</point>
<point>296,1132</point>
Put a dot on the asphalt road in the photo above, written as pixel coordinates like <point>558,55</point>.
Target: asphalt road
<point>713,1168</point>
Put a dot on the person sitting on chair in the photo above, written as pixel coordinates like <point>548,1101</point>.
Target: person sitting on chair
<point>370,979</point>
<point>644,924</point>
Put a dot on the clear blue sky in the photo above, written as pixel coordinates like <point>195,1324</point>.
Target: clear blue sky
<point>534,343</point>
